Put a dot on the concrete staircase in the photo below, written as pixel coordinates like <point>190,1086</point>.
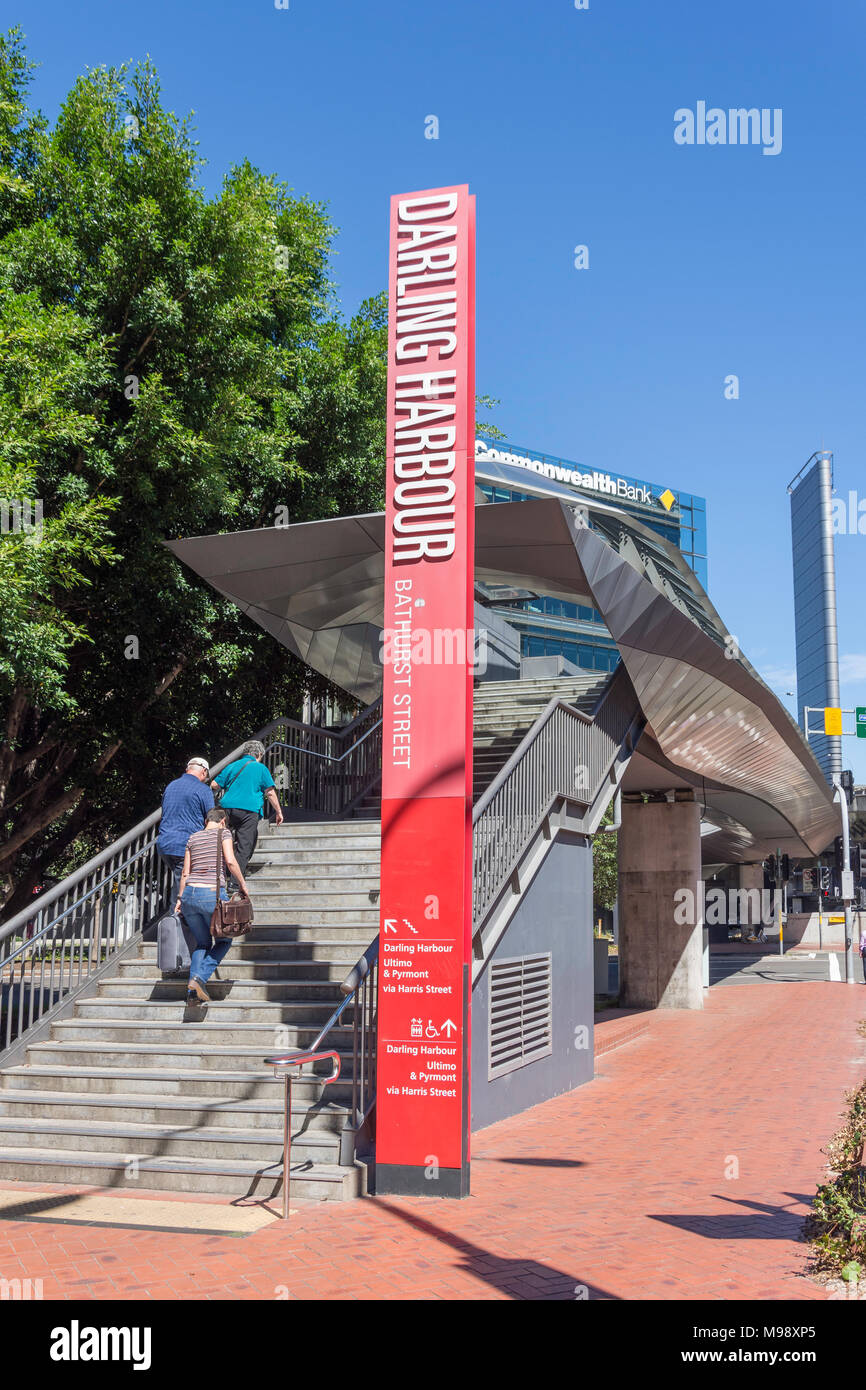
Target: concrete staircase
<point>505,710</point>
<point>137,1089</point>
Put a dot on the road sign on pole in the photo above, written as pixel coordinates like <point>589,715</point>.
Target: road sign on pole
<point>832,720</point>
<point>860,720</point>
<point>422,1105</point>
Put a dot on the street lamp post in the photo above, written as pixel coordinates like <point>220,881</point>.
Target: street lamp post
<point>847,882</point>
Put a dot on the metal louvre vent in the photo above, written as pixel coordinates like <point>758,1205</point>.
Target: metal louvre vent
<point>521,1028</point>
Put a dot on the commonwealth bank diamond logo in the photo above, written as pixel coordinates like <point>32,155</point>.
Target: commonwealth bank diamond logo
<point>667,499</point>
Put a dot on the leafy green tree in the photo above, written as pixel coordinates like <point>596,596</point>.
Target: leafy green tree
<point>604,865</point>
<point>171,365</point>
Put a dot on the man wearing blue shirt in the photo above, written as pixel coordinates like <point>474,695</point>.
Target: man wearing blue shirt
<point>247,785</point>
<point>185,803</point>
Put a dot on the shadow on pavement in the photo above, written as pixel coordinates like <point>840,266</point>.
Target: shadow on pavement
<point>763,1220</point>
<point>538,1162</point>
<point>520,1279</point>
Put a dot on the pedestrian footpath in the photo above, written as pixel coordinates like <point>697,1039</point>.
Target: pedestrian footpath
<point>683,1171</point>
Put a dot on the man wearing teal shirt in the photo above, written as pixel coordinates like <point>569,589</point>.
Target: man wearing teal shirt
<point>246,785</point>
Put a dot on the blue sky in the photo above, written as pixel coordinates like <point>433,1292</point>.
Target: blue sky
<point>704,261</point>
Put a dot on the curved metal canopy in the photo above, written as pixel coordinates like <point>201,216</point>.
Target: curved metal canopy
<point>712,722</point>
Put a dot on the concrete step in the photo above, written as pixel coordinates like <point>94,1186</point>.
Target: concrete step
<point>355,835</point>
<point>300,878</point>
<point>500,735</point>
<point>152,988</point>
<point>169,1081</point>
<point>300,902</point>
<point>353,924</point>
<point>238,1176</point>
<point>135,1071</point>
<point>239,1058</point>
<point>275,951</point>
<point>186,1112</point>
<point>245,971</point>
<point>220,1011</point>
<point>330,875</point>
<point>576,685</point>
<point>312,830</point>
<point>275,1037</point>
<point>264,1146</point>
<point>282,855</point>
<point>497,753</point>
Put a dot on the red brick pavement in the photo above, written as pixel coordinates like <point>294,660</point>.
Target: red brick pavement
<point>623,1189</point>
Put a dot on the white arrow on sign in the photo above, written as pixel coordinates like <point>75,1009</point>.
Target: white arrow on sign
<point>449,1027</point>
<point>390,925</point>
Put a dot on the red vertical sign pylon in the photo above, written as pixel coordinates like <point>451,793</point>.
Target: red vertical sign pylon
<point>422,1102</point>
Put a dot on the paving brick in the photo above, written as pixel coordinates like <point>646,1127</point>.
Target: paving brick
<point>622,1187</point>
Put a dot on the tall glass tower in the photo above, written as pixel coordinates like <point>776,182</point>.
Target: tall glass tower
<point>815,600</point>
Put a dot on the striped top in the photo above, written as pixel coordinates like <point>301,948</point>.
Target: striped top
<point>202,848</point>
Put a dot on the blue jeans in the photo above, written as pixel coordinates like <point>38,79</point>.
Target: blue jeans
<point>197,905</point>
<point>174,864</point>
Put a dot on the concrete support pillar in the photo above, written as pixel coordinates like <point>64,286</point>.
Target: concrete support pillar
<point>751,877</point>
<point>659,856</point>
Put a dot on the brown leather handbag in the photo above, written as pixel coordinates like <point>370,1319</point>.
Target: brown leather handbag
<point>234,917</point>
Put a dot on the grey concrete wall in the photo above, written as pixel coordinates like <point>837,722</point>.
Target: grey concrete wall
<point>555,915</point>
<point>659,854</point>
<point>533,668</point>
<point>805,929</point>
<point>502,649</point>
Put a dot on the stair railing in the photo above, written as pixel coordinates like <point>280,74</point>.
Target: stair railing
<point>322,771</point>
<point>53,950</point>
<point>282,1066</point>
<point>360,989</point>
<point>565,754</point>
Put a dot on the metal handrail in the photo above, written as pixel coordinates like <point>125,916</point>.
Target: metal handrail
<point>281,1066</point>
<point>508,815</point>
<point>70,932</point>
<point>363,996</point>
<point>329,757</point>
<point>330,733</point>
<point>60,889</point>
<point>530,737</point>
<point>359,986</point>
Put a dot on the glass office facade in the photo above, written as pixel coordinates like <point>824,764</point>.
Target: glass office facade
<point>551,626</point>
<point>815,603</point>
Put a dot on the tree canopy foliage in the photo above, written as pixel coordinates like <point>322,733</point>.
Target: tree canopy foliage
<point>170,364</point>
<point>605,865</point>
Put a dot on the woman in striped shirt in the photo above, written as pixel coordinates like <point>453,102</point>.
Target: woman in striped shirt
<point>197,898</point>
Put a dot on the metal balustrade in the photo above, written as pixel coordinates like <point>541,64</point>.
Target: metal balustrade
<point>49,952</point>
<point>566,754</point>
<point>324,771</point>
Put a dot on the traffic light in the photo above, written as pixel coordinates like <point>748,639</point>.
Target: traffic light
<point>837,852</point>
<point>770,872</point>
<point>786,868</point>
<point>846,781</point>
<point>856,852</point>
<point>825,878</point>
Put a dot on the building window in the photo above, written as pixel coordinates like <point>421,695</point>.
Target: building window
<point>521,1013</point>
